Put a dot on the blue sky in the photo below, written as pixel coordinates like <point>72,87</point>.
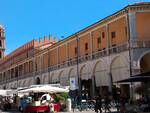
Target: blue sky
<point>24,20</point>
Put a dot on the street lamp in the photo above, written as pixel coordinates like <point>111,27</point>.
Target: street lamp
<point>78,75</point>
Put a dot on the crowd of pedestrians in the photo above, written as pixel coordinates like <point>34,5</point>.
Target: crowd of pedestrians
<point>122,105</point>
<point>102,104</point>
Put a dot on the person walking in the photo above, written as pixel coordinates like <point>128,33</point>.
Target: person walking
<point>98,104</point>
<point>107,102</point>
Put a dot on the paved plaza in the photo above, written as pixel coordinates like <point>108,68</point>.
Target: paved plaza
<point>58,112</point>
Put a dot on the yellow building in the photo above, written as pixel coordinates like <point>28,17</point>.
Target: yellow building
<point>110,50</point>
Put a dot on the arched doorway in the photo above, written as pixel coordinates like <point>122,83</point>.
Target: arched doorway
<point>45,79</point>
<point>145,63</point>
<point>38,81</point>
<point>55,78</point>
<point>64,80</point>
<point>24,83</point>
<point>101,78</point>
<point>145,67</point>
<point>30,82</point>
<point>73,76</point>
<point>86,82</point>
<point>119,71</point>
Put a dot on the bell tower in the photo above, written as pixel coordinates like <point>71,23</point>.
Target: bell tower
<point>2,42</point>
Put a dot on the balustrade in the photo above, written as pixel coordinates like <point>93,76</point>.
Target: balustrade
<point>87,57</point>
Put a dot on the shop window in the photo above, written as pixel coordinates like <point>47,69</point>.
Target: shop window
<point>86,46</point>
<point>103,35</point>
<point>113,34</point>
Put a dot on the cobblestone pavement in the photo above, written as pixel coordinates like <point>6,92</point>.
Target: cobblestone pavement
<point>58,112</point>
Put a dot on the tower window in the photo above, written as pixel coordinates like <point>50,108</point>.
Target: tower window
<point>86,46</point>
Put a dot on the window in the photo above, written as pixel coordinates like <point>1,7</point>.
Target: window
<point>126,30</point>
<point>103,35</point>
<point>86,46</point>
<point>75,50</point>
<point>99,40</point>
<point>113,34</point>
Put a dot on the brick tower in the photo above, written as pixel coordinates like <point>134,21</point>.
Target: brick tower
<point>2,42</point>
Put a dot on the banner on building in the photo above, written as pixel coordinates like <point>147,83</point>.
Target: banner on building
<point>73,85</point>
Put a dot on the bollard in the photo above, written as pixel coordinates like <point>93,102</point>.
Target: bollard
<point>68,105</point>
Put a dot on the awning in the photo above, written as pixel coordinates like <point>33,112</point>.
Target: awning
<point>143,74</point>
<point>143,77</point>
<point>136,79</point>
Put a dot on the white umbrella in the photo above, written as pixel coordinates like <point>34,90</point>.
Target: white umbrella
<point>46,88</point>
<point>52,89</point>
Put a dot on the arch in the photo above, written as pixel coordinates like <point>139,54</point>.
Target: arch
<point>145,63</point>
<point>85,72</point>
<point>30,82</point>
<point>15,85</point>
<point>49,78</point>
<point>100,74</point>
<point>44,79</point>
<point>64,78</point>
<point>24,83</point>
<point>6,86</point>
<point>60,75</point>
<point>72,73</point>
<point>119,68</point>
<point>54,78</point>
<point>19,84</point>
<point>38,81</point>
<point>141,56</point>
